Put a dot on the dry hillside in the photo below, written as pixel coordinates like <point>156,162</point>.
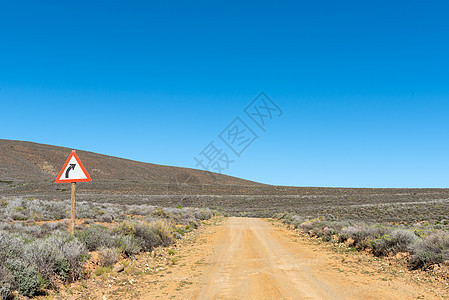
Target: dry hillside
<point>37,162</point>
<point>29,169</point>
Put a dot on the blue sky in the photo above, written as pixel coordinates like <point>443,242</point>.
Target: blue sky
<point>363,85</point>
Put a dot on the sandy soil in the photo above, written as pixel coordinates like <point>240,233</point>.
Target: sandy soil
<point>245,258</point>
<point>254,260</point>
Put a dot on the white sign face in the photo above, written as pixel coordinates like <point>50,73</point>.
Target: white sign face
<point>73,171</point>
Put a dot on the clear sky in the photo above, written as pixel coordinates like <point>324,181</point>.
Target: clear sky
<point>363,85</point>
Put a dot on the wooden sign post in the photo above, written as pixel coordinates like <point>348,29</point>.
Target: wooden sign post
<point>72,212</point>
<point>73,171</point>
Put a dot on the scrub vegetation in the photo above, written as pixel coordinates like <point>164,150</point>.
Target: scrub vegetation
<point>424,242</point>
<point>37,253</point>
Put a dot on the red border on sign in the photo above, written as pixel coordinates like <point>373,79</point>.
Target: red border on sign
<point>73,154</point>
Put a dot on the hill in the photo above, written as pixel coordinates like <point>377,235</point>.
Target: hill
<point>29,170</point>
<point>37,162</point>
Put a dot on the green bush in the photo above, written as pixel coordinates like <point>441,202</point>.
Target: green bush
<point>26,277</point>
<point>327,234</point>
<point>128,245</point>
<point>3,203</point>
<point>181,231</point>
<point>381,246</point>
<point>193,224</point>
<point>162,213</point>
<point>125,228</point>
<point>6,291</point>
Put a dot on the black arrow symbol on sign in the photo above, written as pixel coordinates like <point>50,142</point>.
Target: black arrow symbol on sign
<point>72,167</point>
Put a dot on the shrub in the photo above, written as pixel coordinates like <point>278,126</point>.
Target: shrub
<point>75,254</point>
<point>192,223</point>
<point>108,257</point>
<point>306,226</point>
<point>46,258</point>
<point>359,234</point>
<point>381,246</point>
<point>402,239</point>
<point>10,247</point>
<point>6,291</point>
<point>362,235</point>
<point>102,271</point>
<point>122,237</point>
<point>399,240</point>
<point>33,257</point>
<point>163,229</point>
<point>180,231</point>
<point>204,214</point>
<point>430,250</point>
<point>7,284</point>
<point>327,234</point>
<point>344,234</point>
<point>128,245</point>
<point>5,226</point>
<point>312,226</point>
<point>26,277</point>
<point>162,213</point>
<point>59,254</point>
<point>95,237</point>
<point>147,237</point>
<point>125,228</point>
<point>294,220</point>
<point>3,203</point>
<point>19,228</point>
<point>19,216</point>
<point>52,226</point>
<point>107,218</point>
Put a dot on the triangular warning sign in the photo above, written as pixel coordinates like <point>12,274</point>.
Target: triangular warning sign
<point>73,170</point>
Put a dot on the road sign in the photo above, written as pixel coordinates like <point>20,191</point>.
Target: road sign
<point>73,171</point>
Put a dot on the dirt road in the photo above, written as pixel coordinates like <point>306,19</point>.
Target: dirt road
<point>254,260</point>
<point>244,258</point>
